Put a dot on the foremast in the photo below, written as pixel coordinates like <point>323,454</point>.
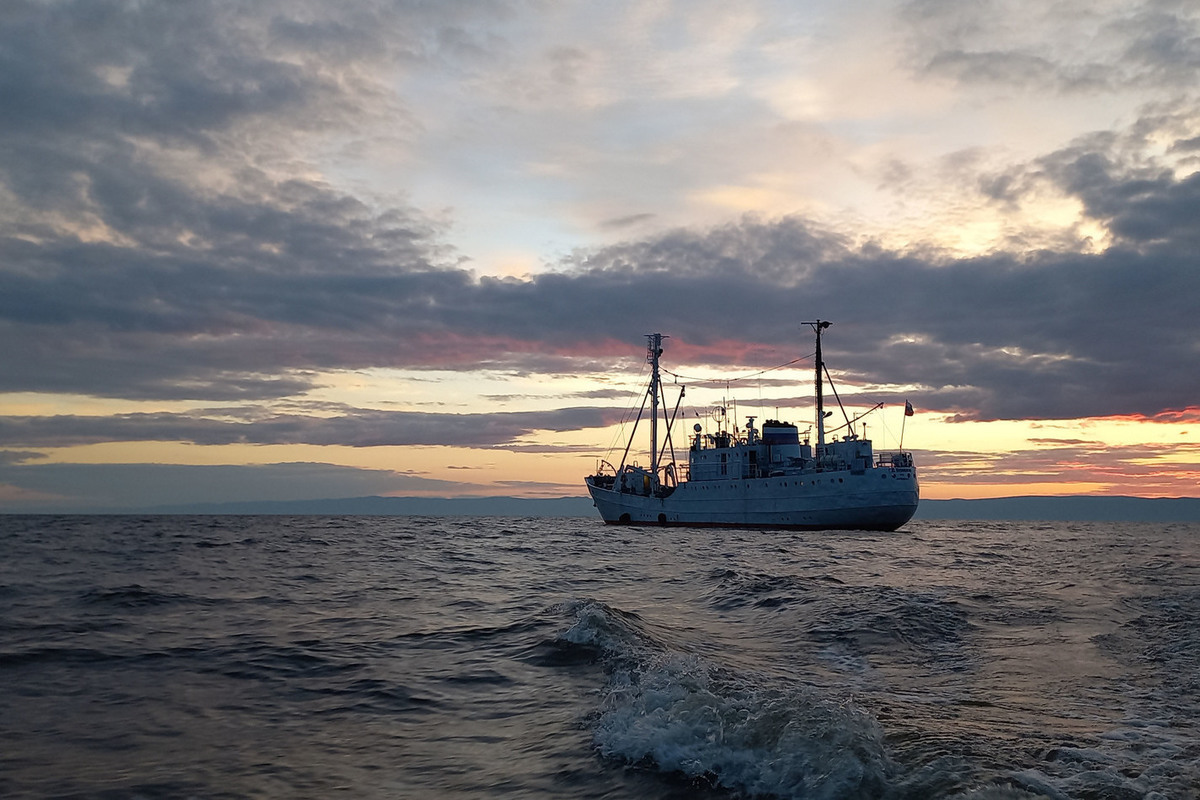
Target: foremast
<point>819,326</point>
<point>656,478</point>
<point>653,352</point>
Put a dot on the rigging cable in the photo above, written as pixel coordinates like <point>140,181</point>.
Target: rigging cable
<point>618,433</point>
<point>728,381</point>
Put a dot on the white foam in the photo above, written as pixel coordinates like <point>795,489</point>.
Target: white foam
<point>682,714</point>
<point>597,625</point>
<point>686,716</point>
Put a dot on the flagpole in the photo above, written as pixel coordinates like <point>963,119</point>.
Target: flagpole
<point>908,412</point>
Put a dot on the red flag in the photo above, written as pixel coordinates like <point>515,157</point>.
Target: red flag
<point>908,409</point>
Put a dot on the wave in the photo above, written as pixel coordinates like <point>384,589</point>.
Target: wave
<point>682,714</point>
<point>900,625</point>
<point>131,596</point>
<point>690,718</point>
<point>735,589</point>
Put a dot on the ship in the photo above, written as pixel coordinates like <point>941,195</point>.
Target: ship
<point>758,478</point>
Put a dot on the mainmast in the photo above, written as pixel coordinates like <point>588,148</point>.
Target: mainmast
<point>819,326</point>
<point>653,351</point>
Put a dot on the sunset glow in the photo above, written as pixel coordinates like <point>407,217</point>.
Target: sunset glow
<point>310,252</point>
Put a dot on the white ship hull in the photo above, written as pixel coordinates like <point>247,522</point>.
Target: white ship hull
<point>877,499</point>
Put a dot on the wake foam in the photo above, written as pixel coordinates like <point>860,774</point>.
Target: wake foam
<point>679,713</point>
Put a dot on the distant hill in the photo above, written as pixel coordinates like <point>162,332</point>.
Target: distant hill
<point>401,506</point>
<point>1079,508</point>
<point>1064,509</point>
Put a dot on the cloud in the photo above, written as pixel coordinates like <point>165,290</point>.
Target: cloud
<point>1139,205</point>
<point>355,428</point>
<point>8,457</point>
<point>165,235</point>
<point>1067,47</point>
<point>1002,336</point>
<point>114,487</point>
<point>162,233</point>
<point>628,221</point>
<point>1157,469</point>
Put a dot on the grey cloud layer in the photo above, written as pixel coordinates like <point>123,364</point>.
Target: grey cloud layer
<point>160,238</point>
<point>358,428</point>
<point>1041,335</point>
<point>1079,46</point>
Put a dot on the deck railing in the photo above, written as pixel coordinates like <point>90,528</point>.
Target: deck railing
<point>894,458</point>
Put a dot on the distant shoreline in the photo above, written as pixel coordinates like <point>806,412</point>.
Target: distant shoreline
<point>1077,508</point>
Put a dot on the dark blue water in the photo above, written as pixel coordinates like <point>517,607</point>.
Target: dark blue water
<point>216,657</point>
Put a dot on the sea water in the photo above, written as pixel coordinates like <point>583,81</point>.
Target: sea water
<point>409,657</point>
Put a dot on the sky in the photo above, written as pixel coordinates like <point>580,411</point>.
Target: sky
<point>280,250</point>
